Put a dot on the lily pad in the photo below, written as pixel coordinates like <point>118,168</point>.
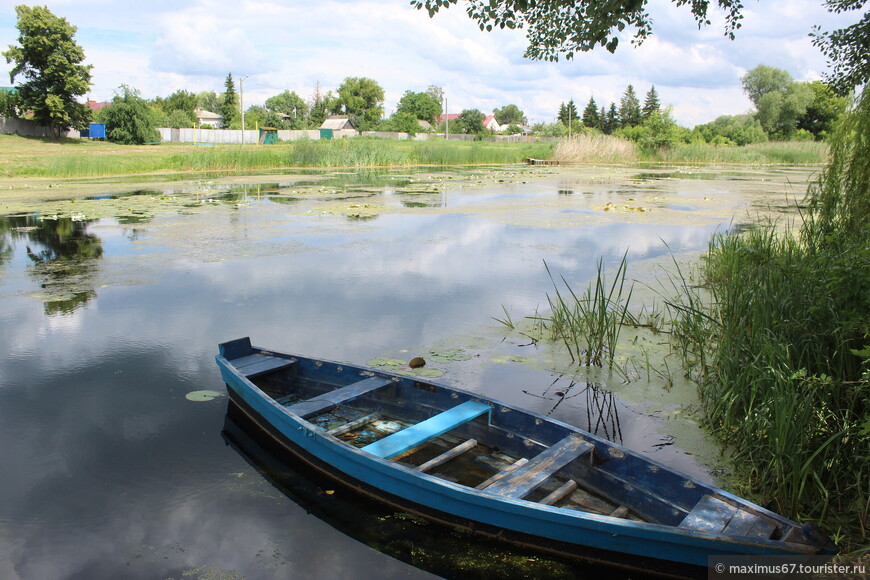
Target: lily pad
<point>386,362</point>
<point>449,355</point>
<point>205,395</point>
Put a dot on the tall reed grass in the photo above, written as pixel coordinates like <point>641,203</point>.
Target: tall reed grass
<point>772,153</point>
<point>589,324</point>
<point>780,351</point>
<point>595,148</point>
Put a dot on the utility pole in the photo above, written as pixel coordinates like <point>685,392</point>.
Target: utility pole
<point>242,105</point>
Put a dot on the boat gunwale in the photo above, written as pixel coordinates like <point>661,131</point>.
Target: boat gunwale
<point>601,523</point>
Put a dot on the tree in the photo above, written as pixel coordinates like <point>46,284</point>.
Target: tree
<point>361,99</point>
<point>422,106</point>
<point>293,106</point>
<point>591,117</point>
<point>50,61</point>
<point>568,113</point>
<point>229,108</point>
<point>436,93</point>
<point>629,108</point>
<point>470,121</point>
<point>129,119</point>
<point>563,27</point>
<point>509,115</point>
<point>651,103</point>
<point>826,109</point>
<point>209,101</point>
<point>847,49</point>
<point>612,122</point>
<point>764,79</point>
<point>778,111</point>
<point>9,103</point>
<point>779,101</point>
<point>179,107</point>
<point>403,122</point>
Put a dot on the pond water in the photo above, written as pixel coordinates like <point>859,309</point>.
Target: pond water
<point>112,306</point>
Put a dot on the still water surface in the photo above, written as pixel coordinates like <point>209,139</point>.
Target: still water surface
<point>111,309</point>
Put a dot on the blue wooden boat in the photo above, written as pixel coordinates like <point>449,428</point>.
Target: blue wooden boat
<point>467,460</point>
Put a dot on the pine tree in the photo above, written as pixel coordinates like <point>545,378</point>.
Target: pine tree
<point>230,107</point>
<point>612,120</point>
<point>590,114</point>
<point>651,103</point>
<point>629,109</point>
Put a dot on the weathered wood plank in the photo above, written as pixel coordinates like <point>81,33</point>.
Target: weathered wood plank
<point>502,473</point>
<point>329,400</point>
<point>566,488</point>
<point>523,480</point>
<point>258,364</point>
<point>354,425</point>
<point>415,435</point>
<point>448,455</point>
<point>710,514</point>
<point>745,523</point>
<point>619,512</point>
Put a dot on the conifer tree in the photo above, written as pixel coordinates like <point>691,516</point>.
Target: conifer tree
<point>651,103</point>
<point>230,106</point>
<point>590,114</point>
<point>629,109</point>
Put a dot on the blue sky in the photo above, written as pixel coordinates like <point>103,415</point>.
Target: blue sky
<point>160,46</point>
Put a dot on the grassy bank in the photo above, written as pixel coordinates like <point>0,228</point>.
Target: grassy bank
<point>21,157</point>
<point>780,347</point>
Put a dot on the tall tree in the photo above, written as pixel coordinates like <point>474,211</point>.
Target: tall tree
<point>436,93</point>
<point>291,105</point>
<point>229,108</point>
<point>50,61</point>
<point>319,107</point>
<point>651,103</point>
<point>563,27</point>
<point>591,118</point>
<point>208,100</point>
<point>179,106</point>
<point>764,79</point>
<point>568,113</point>
<point>422,106</point>
<point>629,108</point>
<point>509,115</point>
<point>826,109</point>
<point>612,123</point>
<point>362,99</point>
<point>779,100</point>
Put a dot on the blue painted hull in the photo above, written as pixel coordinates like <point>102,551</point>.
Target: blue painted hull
<point>542,524</point>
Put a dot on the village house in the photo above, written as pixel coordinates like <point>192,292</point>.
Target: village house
<point>208,119</point>
<point>338,123</point>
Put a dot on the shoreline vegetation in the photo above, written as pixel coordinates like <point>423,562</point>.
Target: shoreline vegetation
<point>22,157</point>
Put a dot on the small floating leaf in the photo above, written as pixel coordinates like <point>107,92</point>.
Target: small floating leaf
<point>206,395</point>
<point>384,361</point>
<point>430,373</point>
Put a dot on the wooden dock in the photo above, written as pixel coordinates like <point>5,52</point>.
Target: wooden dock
<point>532,161</point>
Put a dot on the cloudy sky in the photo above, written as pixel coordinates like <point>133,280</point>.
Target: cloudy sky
<point>159,46</point>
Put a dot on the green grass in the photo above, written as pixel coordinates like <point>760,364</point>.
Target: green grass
<point>20,157</point>
<point>773,153</point>
<point>589,324</point>
<point>778,341</point>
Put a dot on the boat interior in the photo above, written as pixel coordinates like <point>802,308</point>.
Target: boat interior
<point>502,450</point>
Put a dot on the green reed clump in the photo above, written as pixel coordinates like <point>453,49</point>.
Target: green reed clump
<point>771,153</point>
<point>589,324</point>
<point>780,346</point>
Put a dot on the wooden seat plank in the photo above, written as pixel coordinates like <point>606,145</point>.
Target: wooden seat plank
<point>331,399</point>
<point>426,430</point>
<point>745,523</point>
<point>521,481</point>
<point>258,364</point>
<point>710,514</point>
<point>502,473</point>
